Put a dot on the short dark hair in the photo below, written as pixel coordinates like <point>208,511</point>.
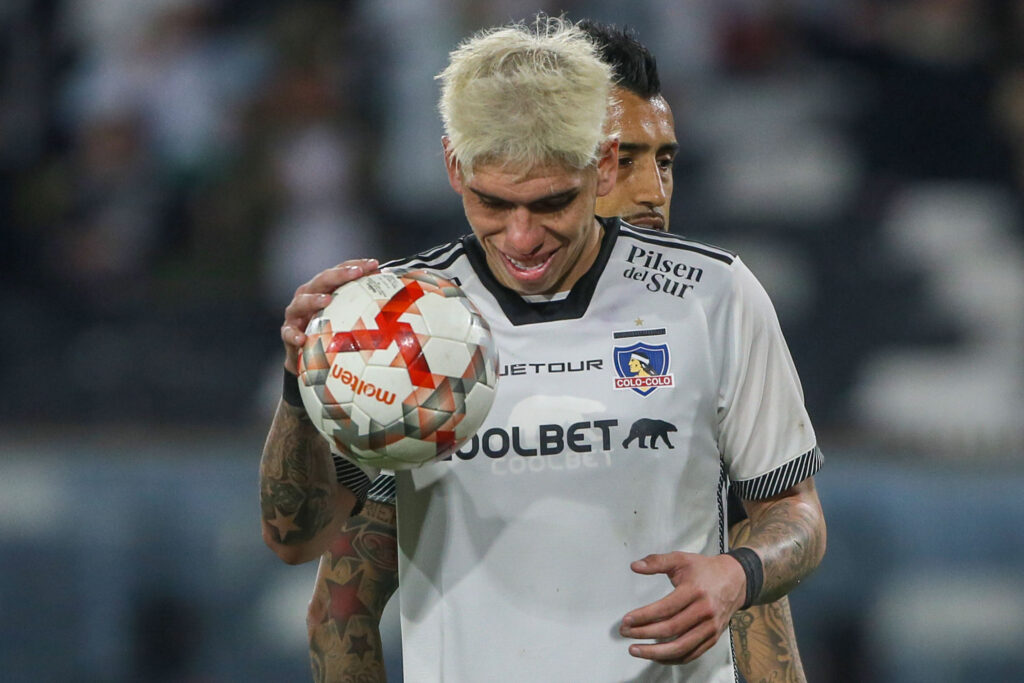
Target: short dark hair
<point>633,66</point>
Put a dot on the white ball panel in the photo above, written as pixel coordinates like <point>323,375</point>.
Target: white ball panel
<point>346,306</point>
<point>409,453</point>
<point>445,317</point>
<point>446,357</point>
<point>478,404</point>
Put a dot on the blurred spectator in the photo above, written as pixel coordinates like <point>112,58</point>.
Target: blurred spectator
<point>105,245</point>
<point>316,155</point>
<point>187,163</point>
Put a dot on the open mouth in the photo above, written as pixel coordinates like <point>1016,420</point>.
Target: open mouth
<point>527,270</point>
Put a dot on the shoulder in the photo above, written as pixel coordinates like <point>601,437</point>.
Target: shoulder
<point>439,257</point>
<point>639,240</point>
<point>683,268</point>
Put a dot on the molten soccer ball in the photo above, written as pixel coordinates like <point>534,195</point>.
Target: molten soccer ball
<point>399,369</point>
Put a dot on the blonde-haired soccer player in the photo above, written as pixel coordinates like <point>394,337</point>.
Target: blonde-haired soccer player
<point>518,556</point>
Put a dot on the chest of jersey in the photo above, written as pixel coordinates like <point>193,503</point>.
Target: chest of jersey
<point>624,380</point>
<point>600,448</point>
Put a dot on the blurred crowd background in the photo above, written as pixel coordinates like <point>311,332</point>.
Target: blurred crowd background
<point>170,171</point>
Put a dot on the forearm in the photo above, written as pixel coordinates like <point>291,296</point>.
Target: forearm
<point>788,534</point>
<point>357,576</point>
<point>764,639</point>
<point>765,644</point>
<point>302,505</point>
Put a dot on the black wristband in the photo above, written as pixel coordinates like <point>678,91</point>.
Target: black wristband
<point>754,569</point>
<point>291,394</point>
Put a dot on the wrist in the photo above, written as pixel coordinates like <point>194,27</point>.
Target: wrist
<point>290,391</point>
<point>753,570</point>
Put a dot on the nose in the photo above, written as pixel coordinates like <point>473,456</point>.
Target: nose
<point>649,186</point>
<point>524,235</point>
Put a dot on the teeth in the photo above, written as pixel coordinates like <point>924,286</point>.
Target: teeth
<point>524,266</point>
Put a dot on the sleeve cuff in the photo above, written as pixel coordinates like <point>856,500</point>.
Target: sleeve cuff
<point>383,489</point>
<point>356,478</point>
<point>781,478</point>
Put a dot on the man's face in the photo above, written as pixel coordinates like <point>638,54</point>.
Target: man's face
<point>536,227</point>
<point>647,150</point>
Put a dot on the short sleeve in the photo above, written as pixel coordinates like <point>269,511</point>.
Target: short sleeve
<point>355,477</point>
<point>383,489</point>
<point>765,434</point>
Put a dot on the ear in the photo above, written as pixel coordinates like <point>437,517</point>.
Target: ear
<point>451,164</point>
<point>607,165</point>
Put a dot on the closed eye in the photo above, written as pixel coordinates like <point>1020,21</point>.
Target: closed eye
<point>549,204</point>
<point>494,203</point>
<point>554,203</point>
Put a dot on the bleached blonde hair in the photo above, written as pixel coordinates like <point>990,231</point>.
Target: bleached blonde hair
<point>522,95</point>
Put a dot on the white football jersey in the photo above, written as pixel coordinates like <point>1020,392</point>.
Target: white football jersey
<point>623,412</point>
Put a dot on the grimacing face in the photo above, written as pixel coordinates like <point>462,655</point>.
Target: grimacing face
<point>537,226</point>
<point>647,151</point>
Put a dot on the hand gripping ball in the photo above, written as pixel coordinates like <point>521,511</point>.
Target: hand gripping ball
<point>398,370</point>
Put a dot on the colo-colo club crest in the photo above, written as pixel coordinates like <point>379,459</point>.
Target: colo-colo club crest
<point>642,366</point>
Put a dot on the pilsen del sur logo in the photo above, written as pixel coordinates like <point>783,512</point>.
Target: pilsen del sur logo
<point>643,365</point>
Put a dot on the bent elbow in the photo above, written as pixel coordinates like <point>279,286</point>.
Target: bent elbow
<point>289,554</point>
<point>822,544</point>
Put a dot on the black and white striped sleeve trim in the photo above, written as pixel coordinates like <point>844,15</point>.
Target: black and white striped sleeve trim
<point>353,478</point>
<point>437,258</point>
<point>781,478</point>
<point>383,489</point>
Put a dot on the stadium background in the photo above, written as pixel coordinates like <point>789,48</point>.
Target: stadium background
<point>171,169</point>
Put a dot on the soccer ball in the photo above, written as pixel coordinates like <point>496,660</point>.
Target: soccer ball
<point>398,370</point>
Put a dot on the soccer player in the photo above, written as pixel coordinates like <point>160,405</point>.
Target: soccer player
<point>518,565</point>
<point>764,639</point>
<point>344,633</point>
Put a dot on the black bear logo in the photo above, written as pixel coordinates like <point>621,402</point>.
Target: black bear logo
<point>647,431</point>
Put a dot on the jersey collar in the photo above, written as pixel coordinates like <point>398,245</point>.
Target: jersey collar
<point>522,312</point>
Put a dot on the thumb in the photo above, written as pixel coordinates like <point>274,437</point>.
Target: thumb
<point>652,564</point>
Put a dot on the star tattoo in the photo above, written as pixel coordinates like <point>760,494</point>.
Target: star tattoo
<point>284,524</point>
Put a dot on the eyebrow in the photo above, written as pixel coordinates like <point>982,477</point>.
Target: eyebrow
<point>566,195</point>
<point>642,146</point>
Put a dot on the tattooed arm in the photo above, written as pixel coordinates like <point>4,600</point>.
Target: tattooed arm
<point>357,576</point>
<point>763,637</point>
<point>787,532</point>
<point>302,504</point>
